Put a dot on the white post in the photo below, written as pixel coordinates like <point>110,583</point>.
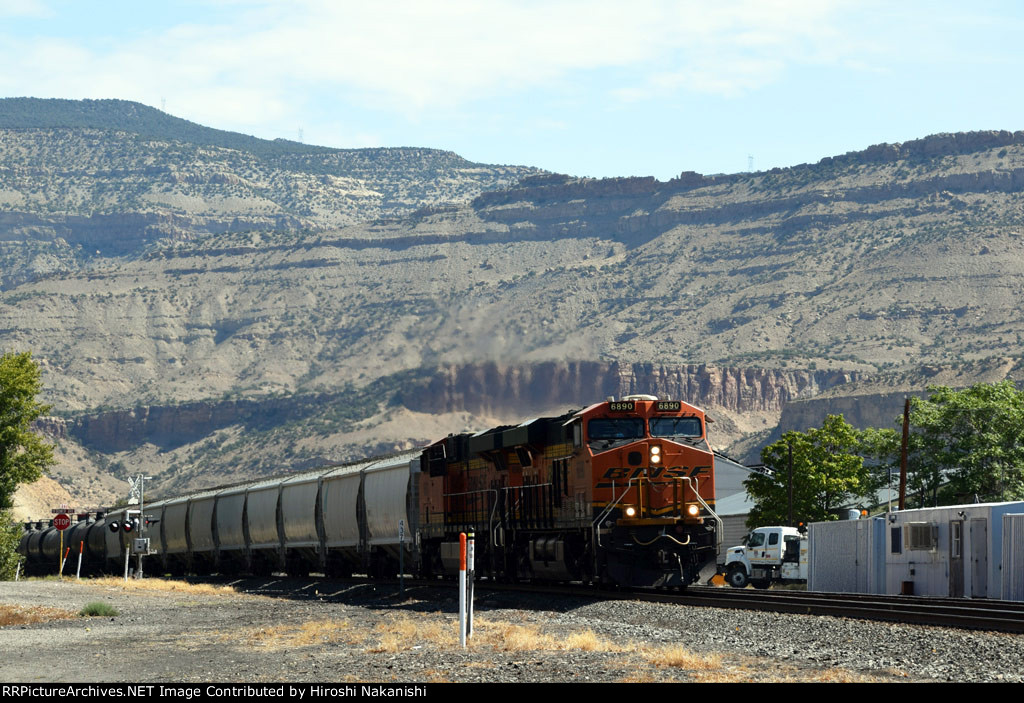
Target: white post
<point>401,558</point>
<point>78,571</point>
<point>17,570</point>
<point>462,589</point>
<point>127,556</point>
<point>470,576</point>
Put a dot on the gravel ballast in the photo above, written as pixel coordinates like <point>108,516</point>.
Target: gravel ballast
<point>332,631</point>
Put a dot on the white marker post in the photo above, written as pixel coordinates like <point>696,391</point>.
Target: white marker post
<point>462,589</point>
<point>470,576</point>
<point>401,558</point>
<point>78,571</point>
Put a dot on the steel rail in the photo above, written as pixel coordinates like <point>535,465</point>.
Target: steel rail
<point>991,615</point>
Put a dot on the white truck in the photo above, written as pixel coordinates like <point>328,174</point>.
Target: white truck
<point>768,555</point>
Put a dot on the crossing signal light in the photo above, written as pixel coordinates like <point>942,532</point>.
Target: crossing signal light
<point>114,526</point>
<point>131,525</point>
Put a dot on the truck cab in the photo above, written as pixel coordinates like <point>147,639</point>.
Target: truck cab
<point>768,555</point>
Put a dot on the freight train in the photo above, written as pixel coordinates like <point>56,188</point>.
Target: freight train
<point>620,493</point>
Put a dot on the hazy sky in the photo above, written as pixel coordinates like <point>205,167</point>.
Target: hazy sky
<point>590,88</point>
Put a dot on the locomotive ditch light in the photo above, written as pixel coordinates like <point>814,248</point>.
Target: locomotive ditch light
<point>630,511</point>
<point>692,510</point>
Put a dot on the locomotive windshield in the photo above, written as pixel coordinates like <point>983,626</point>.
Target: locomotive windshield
<point>675,427</point>
<point>616,428</point>
<point>607,432</point>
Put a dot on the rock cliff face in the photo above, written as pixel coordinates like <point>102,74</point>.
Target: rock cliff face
<point>487,389</point>
<point>862,411</point>
<point>493,388</point>
<point>173,426</point>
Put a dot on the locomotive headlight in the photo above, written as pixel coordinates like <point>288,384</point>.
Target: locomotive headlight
<point>655,455</point>
<point>693,509</point>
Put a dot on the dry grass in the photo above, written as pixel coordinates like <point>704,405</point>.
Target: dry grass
<point>148,584</point>
<point>24,614</point>
<point>682,658</point>
<point>657,664</point>
<point>307,634</point>
<point>510,637</point>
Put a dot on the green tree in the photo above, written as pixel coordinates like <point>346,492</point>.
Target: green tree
<point>829,472</point>
<point>967,444</point>
<point>23,454</point>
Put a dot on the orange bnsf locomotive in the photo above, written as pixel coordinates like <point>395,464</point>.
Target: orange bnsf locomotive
<point>619,493</point>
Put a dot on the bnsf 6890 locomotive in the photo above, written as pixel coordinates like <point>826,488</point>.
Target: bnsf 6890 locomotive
<point>619,493</point>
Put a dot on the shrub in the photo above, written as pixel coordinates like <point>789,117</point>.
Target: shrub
<point>97,608</point>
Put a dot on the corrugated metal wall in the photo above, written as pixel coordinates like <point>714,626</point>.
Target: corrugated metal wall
<point>846,556</point>
<point>734,529</point>
<point>1013,557</point>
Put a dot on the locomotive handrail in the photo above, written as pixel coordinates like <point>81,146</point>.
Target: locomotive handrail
<point>491,521</point>
<point>531,486</point>
<point>694,486</point>
<point>604,513</point>
<point>719,525</point>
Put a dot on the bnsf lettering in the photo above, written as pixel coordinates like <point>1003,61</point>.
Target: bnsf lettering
<point>620,472</point>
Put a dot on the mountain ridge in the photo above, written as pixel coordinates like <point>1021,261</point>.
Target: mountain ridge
<point>886,268</point>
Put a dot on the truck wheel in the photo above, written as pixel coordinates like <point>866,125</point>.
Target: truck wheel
<point>737,577</point>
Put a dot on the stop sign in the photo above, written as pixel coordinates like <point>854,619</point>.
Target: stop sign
<point>62,522</point>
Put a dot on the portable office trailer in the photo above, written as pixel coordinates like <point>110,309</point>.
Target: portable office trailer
<point>846,556</point>
<point>1013,557</point>
<point>954,551</point>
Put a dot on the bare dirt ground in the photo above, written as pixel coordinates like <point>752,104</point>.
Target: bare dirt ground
<point>312,630</point>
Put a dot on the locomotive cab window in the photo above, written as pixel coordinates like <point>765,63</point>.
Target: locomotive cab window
<point>676,427</point>
<point>607,432</point>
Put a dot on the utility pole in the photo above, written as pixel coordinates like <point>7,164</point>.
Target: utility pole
<point>790,445</point>
<point>903,453</point>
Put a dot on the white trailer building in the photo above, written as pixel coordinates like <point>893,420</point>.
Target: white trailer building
<point>974,551</point>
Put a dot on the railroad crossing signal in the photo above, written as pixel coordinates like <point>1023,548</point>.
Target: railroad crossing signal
<point>128,525</point>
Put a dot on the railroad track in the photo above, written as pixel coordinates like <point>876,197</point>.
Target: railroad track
<point>992,615</point>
